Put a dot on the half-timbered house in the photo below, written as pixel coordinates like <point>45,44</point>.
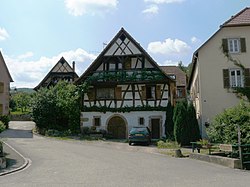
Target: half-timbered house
<point>61,71</point>
<point>126,88</point>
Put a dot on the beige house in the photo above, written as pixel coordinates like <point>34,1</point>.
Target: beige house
<point>5,80</point>
<point>215,73</point>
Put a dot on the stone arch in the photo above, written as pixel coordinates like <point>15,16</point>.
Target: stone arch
<point>117,126</point>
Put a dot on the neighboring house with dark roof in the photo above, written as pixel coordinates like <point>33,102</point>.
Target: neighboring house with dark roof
<point>181,80</point>
<point>214,76</point>
<point>126,88</point>
<point>61,71</point>
<point>5,79</point>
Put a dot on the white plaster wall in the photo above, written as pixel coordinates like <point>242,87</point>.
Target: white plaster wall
<point>131,119</point>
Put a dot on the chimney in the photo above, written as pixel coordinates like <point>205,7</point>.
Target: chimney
<point>73,66</point>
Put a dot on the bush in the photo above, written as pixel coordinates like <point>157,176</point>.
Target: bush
<point>223,129</point>
<point>5,119</point>
<point>169,124</point>
<point>2,127</point>
<point>57,108</point>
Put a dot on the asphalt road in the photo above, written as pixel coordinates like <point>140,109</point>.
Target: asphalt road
<point>83,163</point>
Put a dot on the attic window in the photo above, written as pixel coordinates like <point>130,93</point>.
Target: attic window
<point>122,37</point>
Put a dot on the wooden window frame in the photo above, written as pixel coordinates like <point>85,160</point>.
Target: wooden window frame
<point>95,120</point>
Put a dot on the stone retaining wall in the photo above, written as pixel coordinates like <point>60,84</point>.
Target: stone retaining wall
<point>224,161</point>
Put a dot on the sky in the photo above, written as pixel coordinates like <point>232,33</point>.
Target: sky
<point>35,34</point>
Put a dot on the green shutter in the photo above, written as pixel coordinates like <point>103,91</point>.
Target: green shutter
<point>1,87</point>
<point>243,45</point>
<point>247,77</point>
<point>226,78</point>
<point>224,45</point>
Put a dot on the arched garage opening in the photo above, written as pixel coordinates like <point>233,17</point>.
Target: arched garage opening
<point>117,127</point>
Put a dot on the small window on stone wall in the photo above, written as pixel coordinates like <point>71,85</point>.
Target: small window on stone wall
<point>97,121</point>
<point>141,121</point>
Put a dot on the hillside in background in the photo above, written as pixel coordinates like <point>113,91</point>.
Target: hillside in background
<point>25,90</point>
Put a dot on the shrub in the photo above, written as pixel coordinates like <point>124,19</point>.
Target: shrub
<point>2,127</point>
<point>169,125</point>
<point>223,129</point>
<point>186,128</point>
<point>57,108</point>
<point>5,119</point>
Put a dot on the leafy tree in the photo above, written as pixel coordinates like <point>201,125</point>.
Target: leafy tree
<point>57,108</point>
<point>22,100</point>
<point>224,127</point>
<point>169,126</point>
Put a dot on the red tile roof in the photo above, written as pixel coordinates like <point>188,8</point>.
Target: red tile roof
<point>240,19</point>
<point>181,79</point>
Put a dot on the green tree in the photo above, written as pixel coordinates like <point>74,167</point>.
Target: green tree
<point>194,132</point>
<point>223,129</point>
<point>186,127</point>
<point>57,108</point>
<point>22,100</point>
<point>169,125</point>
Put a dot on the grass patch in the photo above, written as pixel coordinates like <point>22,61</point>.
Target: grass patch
<point>167,145</point>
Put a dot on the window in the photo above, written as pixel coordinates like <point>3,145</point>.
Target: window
<point>234,45</point>
<point>127,64</point>
<point>1,109</point>
<point>141,121</point>
<point>1,87</point>
<point>236,78</point>
<point>105,93</point>
<point>179,93</point>
<point>150,92</point>
<point>97,121</point>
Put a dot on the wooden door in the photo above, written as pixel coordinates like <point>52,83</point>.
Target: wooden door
<point>155,128</point>
<point>117,127</point>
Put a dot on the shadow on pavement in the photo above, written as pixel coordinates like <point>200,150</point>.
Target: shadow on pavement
<point>16,133</point>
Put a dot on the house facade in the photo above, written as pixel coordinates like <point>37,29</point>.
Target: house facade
<point>5,79</point>
<point>61,71</point>
<point>220,65</point>
<point>125,88</point>
<point>181,80</point>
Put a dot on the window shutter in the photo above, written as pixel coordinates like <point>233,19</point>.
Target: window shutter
<point>91,94</point>
<point>247,77</point>
<point>118,93</point>
<point>243,45</point>
<point>1,109</point>
<point>226,78</point>
<point>158,92</point>
<point>225,45</point>
<point>143,92</point>
<point>1,87</point>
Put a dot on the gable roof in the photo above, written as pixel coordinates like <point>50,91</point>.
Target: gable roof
<point>240,19</point>
<point>122,33</point>
<point>5,66</point>
<point>58,69</point>
<point>181,78</point>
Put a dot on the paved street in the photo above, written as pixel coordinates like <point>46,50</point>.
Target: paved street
<point>82,163</point>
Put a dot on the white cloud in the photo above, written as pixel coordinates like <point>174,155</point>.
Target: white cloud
<point>80,7</point>
<point>152,9</point>
<point>3,34</point>
<point>164,1</point>
<point>169,47</point>
<point>169,63</point>
<point>26,55</point>
<point>195,40</point>
<point>29,73</point>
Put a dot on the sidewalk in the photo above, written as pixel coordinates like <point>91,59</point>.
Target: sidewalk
<point>15,161</point>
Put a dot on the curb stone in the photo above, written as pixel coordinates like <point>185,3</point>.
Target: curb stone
<point>27,162</point>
